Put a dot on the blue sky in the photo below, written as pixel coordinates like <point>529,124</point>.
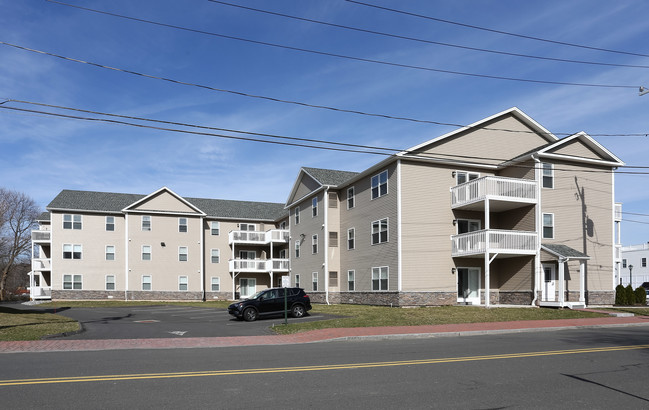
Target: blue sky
<point>42,155</point>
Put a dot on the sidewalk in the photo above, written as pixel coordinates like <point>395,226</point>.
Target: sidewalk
<point>466,329</point>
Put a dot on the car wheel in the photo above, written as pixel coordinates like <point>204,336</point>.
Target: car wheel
<point>250,315</point>
<point>297,311</point>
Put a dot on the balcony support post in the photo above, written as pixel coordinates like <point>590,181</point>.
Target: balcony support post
<point>487,276</point>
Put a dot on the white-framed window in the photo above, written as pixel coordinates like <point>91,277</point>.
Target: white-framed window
<point>643,262</point>
<point>215,284</point>
<point>247,227</point>
<point>548,175</point>
<point>146,282</point>
<point>282,225</point>
<point>351,280</point>
<point>182,224</point>
<point>215,228</point>
<point>297,215</point>
<point>333,279</point>
<point>314,244</point>
<point>468,225</point>
<point>351,238</point>
<point>624,263</point>
<point>72,251</point>
<point>71,221</point>
<point>380,184</point>
<point>465,176</point>
<point>380,231</point>
<point>110,223</point>
<point>216,255</point>
<point>146,252</point>
<point>182,253</point>
<point>314,281</point>
<point>297,280</point>
<point>297,249</point>
<point>247,254</point>
<point>182,282</point>
<point>314,207</point>
<point>380,278</point>
<point>110,282</point>
<point>72,282</point>
<point>548,226</point>
<point>282,254</point>
<point>351,198</point>
<point>146,222</point>
<point>110,252</point>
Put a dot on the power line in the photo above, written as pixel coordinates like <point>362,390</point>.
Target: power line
<point>416,39</point>
<point>563,43</point>
<point>361,59</point>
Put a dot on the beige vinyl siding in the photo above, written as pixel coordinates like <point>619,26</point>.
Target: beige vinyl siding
<point>164,201</point>
<point>576,148</point>
<point>333,225</point>
<point>219,242</point>
<point>519,219</point>
<point>565,201</point>
<point>513,274</point>
<point>305,186</point>
<point>523,170</point>
<point>308,226</point>
<point>365,255</point>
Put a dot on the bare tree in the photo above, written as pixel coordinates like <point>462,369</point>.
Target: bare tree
<point>18,214</point>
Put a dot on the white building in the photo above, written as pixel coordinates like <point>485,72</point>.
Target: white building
<point>634,264</point>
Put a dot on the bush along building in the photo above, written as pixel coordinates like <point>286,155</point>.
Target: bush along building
<point>498,212</point>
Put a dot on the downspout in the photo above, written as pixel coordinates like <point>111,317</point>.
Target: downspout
<point>325,205</point>
<point>537,216</point>
<point>202,271</point>
<point>126,246</point>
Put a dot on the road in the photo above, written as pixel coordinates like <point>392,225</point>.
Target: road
<point>580,368</point>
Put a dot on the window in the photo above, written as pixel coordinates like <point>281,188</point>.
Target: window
<point>351,278</point>
<point>146,252</point>
<point>644,262</point>
<point>110,253</point>
<point>297,249</point>
<point>146,223</point>
<point>333,239</point>
<point>71,251</point>
<point>146,282</point>
<point>351,238</point>
<point>314,280</point>
<point>548,175</point>
<point>380,278</point>
<point>72,221</point>
<point>282,253</point>
<point>297,280</point>
<point>464,176</point>
<point>380,231</point>
<point>297,215</point>
<point>182,253</point>
<point>215,228</point>
<point>624,263</point>
<point>314,244</point>
<point>314,207</point>
<point>247,227</point>
<point>216,284</point>
<point>333,279</point>
<point>548,226</point>
<point>110,223</point>
<point>182,282</point>
<point>72,282</point>
<point>216,255</point>
<point>351,198</point>
<point>110,282</point>
<point>380,185</point>
<point>182,224</point>
<point>333,200</point>
<point>468,225</point>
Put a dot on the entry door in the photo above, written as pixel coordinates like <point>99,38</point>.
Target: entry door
<point>247,287</point>
<point>468,286</point>
<point>549,283</point>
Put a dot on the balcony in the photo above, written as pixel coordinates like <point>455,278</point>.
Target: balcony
<point>41,236</point>
<point>504,193</point>
<point>259,265</point>
<point>258,237</point>
<point>618,212</point>
<point>41,264</point>
<point>494,241</point>
<point>40,292</point>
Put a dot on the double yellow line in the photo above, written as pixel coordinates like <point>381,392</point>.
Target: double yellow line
<point>116,377</point>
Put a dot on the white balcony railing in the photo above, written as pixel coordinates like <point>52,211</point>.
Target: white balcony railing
<point>495,240</point>
<point>41,264</point>
<point>259,265</point>
<point>618,212</point>
<point>41,236</point>
<point>258,237</point>
<point>507,189</point>
<point>40,292</point>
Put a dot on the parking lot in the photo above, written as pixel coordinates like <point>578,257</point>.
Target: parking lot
<point>140,322</point>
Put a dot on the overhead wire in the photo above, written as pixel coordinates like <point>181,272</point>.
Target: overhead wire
<point>361,59</point>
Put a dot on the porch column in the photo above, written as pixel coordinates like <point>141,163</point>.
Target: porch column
<point>487,262</point>
<point>562,284</point>
<point>582,281</point>
<point>486,279</point>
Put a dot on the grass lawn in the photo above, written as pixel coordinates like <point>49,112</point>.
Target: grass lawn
<point>32,325</point>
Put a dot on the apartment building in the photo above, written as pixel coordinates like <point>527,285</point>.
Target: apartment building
<point>634,269</point>
<point>499,212</point>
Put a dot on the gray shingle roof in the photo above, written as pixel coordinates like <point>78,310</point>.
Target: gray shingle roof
<point>44,217</point>
<point>330,176</point>
<point>564,250</point>
<point>218,208</point>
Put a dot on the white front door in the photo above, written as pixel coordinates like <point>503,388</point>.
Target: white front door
<point>247,287</point>
<point>549,283</point>
<point>468,285</point>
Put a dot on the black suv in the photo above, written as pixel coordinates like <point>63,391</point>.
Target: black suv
<point>271,302</point>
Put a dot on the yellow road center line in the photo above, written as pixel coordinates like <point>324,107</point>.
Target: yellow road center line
<point>100,378</point>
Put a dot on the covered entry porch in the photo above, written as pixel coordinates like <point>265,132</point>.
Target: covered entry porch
<point>553,280</point>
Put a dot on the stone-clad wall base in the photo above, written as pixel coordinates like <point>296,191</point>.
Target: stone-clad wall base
<point>515,298</point>
<point>595,298</point>
<point>153,295</point>
<point>87,294</point>
<point>218,296</point>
